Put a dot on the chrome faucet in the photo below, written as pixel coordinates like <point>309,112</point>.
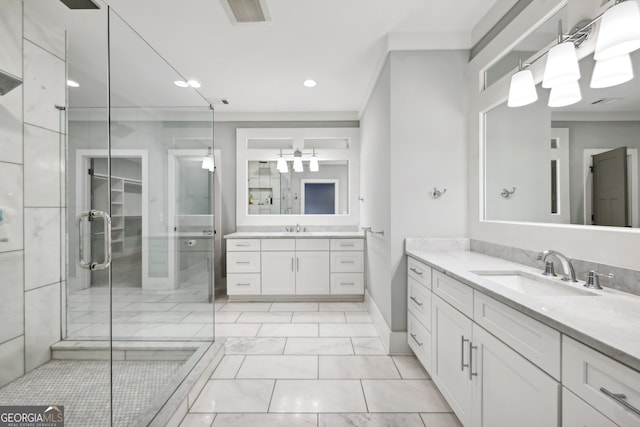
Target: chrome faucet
<point>298,228</point>
<point>568,272</point>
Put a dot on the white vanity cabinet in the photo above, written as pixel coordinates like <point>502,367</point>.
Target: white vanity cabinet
<point>577,413</point>
<point>300,266</point>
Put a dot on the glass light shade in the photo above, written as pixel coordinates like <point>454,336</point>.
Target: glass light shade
<point>619,31</point>
<point>313,164</point>
<point>297,164</point>
<point>612,72</point>
<point>562,66</point>
<point>564,95</point>
<point>207,163</point>
<point>522,90</point>
<point>282,165</point>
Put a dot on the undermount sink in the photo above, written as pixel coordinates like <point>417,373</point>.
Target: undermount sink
<point>533,285</point>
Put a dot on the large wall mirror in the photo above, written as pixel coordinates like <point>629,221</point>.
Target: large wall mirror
<point>298,175</point>
<point>571,165</point>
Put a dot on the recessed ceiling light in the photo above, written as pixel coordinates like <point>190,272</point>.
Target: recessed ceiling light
<point>181,83</point>
<point>72,83</point>
<point>310,83</point>
<point>194,83</point>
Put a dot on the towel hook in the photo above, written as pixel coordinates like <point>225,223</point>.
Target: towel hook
<point>508,194</point>
<point>436,194</point>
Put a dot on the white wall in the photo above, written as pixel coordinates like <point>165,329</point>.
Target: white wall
<point>415,137</point>
<point>605,245</point>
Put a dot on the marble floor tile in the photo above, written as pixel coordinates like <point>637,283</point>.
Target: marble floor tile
<point>204,317</point>
<point>294,306</point>
<point>276,367</point>
<point>358,317</point>
<point>193,306</point>
<point>410,368</point>
<point>260,317</point>
<point>370,420</point>
<point>197,420</point>
<point>330,346</point>
<point>348,330</point>
<point>342,306</point>
<point>318,396</point>
<point>228,367</point>
<point>318,317</point>
<point>440,420</point>
<point>266,420</point>
<point>199,299</point>
<point>357,367</point>
<point>234,396</point>
<point>254,345</point>
<point>403,396</point>
<point>157,317</point>
<point>225,316</point>
<point>288,330</point>
<point>237,330</point>
<point>156,330</point>
<point>368,346</point>
<point>148,306</point>
<point>246,306</point>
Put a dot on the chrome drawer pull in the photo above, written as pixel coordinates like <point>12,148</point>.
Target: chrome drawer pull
<point>242,245</point>
<point>346,245</point>
<point>243,284</point>
<point>621,399</point>
<point>347,283</point>
<point>418,272</point>
<point>462,364</point>
<point>243,262</point>
<point>416,301</point>
<point>416,339</point>
<point>346,262</point>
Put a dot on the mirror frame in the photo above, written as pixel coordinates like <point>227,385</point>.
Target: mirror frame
<point>606,245</point>
<point>297,135</point>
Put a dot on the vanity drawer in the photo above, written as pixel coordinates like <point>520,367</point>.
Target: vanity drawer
<point>419,339</point>
<point>243,284</point>
<point>455,293</point>
<point>347,283</point>
<point>578,413</point>
<point>312,244</point>
<point>347,244</point>
<point>347,262</point>
<point>239,245</point>
<point>243,262</point>
<point>419,302</point>
<point>278,244</point>
<point>591,375</point>
<point>418,271</point>
<point>529,337</point>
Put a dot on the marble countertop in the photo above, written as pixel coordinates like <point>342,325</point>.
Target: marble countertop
<point>293,235</point>
<point>607,321</point>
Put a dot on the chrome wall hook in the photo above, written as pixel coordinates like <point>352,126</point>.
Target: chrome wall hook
<point>436,194</point>
<point>508,194</point>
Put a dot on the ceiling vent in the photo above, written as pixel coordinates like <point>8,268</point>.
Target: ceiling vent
<point>246,11</point>
<point>606,101</point>
<point>81,4</point>
<point>218,101</point>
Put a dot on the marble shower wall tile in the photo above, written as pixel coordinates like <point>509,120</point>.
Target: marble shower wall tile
<point>12,291</point>
<point>11,129</point>
<point>624,279</point>
<point>11,37</point>
<point>44,87</point>
<point>42,30</point>
<point>11,206</point>
<point>42,324</point>
<point>42,168</point>
<point>42,247</point>
<point>11,360</point>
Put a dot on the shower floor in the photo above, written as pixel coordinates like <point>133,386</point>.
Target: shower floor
<point>82,387</point>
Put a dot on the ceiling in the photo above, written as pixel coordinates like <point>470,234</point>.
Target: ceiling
<point>260,67</point>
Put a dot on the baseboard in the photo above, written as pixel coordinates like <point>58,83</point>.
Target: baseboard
<point>395,343</point>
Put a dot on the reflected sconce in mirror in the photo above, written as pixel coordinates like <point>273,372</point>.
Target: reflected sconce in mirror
<point>618,36</point>
<point>207,161</point>
<point>507,194</point>
<point>436,194</point>
<point>282,164</point>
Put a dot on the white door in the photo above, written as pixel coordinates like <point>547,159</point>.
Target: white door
<point>278,273</point>
<point>451,335</point>
<point>508,390</point>
<point>312,273</point>
<point>577,413</point>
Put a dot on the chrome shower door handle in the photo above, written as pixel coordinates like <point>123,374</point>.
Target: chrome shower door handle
<point>91,215</point>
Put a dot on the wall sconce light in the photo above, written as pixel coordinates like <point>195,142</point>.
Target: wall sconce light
<point>564,95</point>
<point>612,71</point>
<point>562,63</point>
<point>619,30</point>
<point>207,161</point>
<point>523,89</point>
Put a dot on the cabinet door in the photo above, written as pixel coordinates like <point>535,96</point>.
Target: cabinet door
<point>508,390</point>
<point>451,334</point>
<point>278,273</point>
<point>312,273</point>
<point>578,413</point>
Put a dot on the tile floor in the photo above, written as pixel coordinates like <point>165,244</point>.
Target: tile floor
<point>312,364</point>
